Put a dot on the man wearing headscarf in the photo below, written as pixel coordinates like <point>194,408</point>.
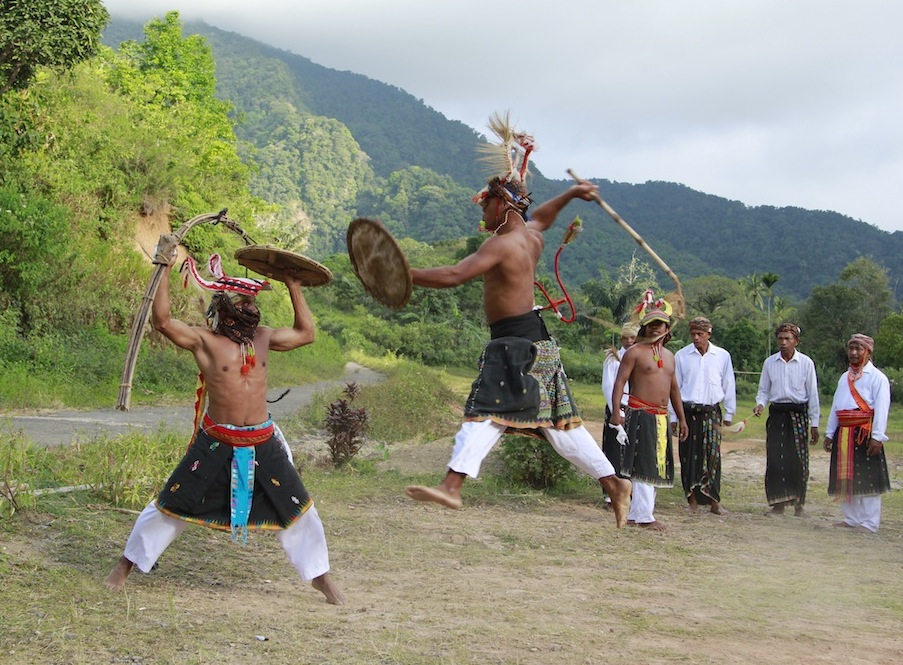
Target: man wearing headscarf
<point>705,377</point>
<point>855,437</point>
<point>648,456</point>
<point>789,385</point>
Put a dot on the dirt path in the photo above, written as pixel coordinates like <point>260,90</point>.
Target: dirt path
<point>63,427</point>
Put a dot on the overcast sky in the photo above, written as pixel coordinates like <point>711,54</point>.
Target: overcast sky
<point>769,102</point>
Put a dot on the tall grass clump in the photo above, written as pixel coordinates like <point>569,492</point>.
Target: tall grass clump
<point>129,469</point>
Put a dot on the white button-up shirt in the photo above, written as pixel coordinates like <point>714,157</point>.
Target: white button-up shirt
<point>609,373</point>
<point>707,378</point>
<point>874,388</point>
<point>790,381</point>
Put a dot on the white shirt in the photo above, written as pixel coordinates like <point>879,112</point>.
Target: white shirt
<point>874,388</point>
<point>609,373</point>
<point>707,378</point>
<point>790,381</point>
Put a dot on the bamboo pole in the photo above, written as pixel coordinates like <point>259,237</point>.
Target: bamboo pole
<point>679,308</point>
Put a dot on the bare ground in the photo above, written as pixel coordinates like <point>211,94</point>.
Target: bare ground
<point>523,578</point>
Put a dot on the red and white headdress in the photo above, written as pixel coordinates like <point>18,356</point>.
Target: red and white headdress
<point>241,286</point>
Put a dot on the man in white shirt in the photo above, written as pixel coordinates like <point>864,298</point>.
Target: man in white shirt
<point>855,438</point>
<point>705,377</point>
<point>610,444</point>
<point>788,383</point>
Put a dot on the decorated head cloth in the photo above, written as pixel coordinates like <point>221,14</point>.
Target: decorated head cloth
<point>700,324</point>
<point>224,315</point>
<point>863,340</point>
<point>789,327</point>
<point>629,330</point>
<point>508,161</point>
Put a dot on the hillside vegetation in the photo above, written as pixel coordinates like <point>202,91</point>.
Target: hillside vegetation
<point>183,120</point>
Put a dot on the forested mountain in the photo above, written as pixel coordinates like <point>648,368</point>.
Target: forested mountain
<point>331,145</point>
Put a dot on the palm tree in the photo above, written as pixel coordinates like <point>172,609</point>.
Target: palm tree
<point>769,279</point>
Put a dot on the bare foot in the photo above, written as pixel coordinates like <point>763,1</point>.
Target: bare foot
<point>843,525</point>
<point>327,587</point>
<point>115,581</point>
<point>435,495</point>
<point>619,491</point>
<point>718,509</point>
<point>693,503</point>
<point>653,526</point>
<point>798,511</point>
<point>776,510</point>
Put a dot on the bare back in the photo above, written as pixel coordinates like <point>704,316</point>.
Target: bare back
<point>232,397</point>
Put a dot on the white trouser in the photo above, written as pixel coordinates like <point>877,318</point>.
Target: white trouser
<point>642,503</point>
<point>304,541</point>
<point>863,511</point>
<point>475,440</point>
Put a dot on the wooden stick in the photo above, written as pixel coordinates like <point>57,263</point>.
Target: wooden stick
<point>639,240</point>
<point>139,324</point>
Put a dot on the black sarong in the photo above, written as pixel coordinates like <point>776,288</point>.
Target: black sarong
<point>787,453</point>
<point>700,453</point>
<point>648,457</point>
<point>870,475</point>
<point>199,489</point>
<point>610,444</point>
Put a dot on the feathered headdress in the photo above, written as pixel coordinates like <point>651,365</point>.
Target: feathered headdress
<point>651,309</point>
<point>508,162</point>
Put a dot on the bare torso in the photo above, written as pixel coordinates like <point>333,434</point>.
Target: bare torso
<point>648,381</point>
<point>508,286</point>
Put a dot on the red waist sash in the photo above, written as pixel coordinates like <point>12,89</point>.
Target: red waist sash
<point>637,403</point>
<point>239,437</point>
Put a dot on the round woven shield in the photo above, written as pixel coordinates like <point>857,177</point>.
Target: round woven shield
<point>278,264</point>
<point>379,263</point>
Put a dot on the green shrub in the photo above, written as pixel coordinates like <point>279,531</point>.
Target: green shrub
<point>534,462</point>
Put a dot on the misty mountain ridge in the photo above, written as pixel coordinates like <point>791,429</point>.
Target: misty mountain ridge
<point>403,141</point>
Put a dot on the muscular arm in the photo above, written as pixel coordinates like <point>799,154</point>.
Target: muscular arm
<point>179,333</point>
<point>479,263</point>
<point>543,216</point>
<point>624,371</point>
<point>302,331</point>
<point>678,405</point>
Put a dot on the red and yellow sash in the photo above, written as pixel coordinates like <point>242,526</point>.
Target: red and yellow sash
<point>239,437</point>
<point>848,420</point>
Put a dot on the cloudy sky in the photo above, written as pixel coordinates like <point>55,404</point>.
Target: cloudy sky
<point>769,102</point>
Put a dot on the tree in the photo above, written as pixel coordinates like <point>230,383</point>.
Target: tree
<point>889,341</point>
<point>858,303</point>
<point>46,33</point>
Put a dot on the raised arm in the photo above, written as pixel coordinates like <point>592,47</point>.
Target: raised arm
<point>181,334</point>
<point>302,331</point>
<point>544,215</point>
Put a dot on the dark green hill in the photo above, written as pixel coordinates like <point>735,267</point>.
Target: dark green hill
<point>695,233</point>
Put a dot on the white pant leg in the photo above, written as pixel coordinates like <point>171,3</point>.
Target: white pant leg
<point>863,511</point>
<point>304,543</point>
<point>153,532</point>
<point>473,442</point>
<point>579,448</point>
<point>642,503</point>
<point>281,438</point>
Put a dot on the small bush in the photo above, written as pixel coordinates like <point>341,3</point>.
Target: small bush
<point>534,462</point>
<point>346,426</point>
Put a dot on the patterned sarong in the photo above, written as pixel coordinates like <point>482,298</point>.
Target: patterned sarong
<point>700,453</point>
<point>220,485</point>
<point>522,383</point>
<point>787,453</point>
<point>648,455</point>
<point>853,472</point>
